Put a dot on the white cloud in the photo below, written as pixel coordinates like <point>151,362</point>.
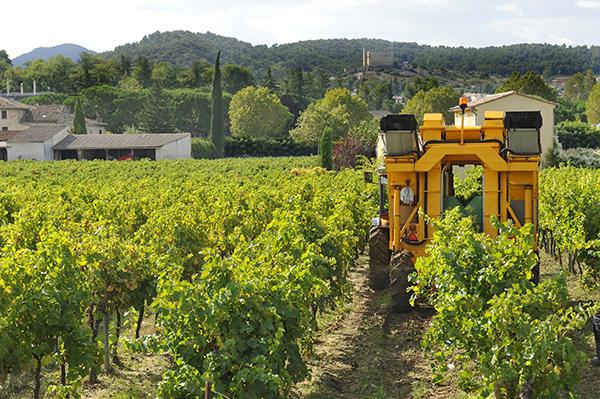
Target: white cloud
<point>512,8</point>
<point>588,4</point>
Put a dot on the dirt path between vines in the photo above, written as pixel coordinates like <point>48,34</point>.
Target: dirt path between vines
<point>366,351</point>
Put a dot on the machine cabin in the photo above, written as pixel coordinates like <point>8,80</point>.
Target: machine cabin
<point>420,162</point>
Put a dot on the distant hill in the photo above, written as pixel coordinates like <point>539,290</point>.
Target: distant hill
<point>69,50</point>
<point>182,48</point>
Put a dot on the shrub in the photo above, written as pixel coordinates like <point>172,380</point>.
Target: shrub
<point>203,149</point>
<point>577,157</point>
<point>577,134</point>
<point>255,147</point>
<point>346,151</point>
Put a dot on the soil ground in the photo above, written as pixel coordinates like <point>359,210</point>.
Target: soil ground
<point>363,350</point>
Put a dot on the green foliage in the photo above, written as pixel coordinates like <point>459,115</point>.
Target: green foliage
<point>5,62</point>
<point>577,134</point>
<point>338,110</point>
<point>182,48</point>
<point>366,132</point>
<point>117,107</point>
<point>437,100</point>
<point>236,77</point>
<point>191,110</point>
<point>157,114</point>
<point>421,84</point>
<point>45,99</point>
<point>569,216</point>
<point>217,118</point>
<point>269,82</point>
<point>528,83</point>
<point>568,110</point>
<point>73,253</point>
<point>577,157</point>
<point>163,75</point>
<point>79,125</point>
<point>579,86</point>
<point>471,185</point>
<point>203,149</point>
<point>375,92</point>
<point>593,105</point>
<point>325,149</point>
<point>143,71</point>
<point>505,336</point>
<point>257,112</point>
<point>294,85</point>
<point>260,147</point>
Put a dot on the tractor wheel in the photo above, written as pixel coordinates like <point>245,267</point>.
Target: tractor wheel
<point>401,268</point>
<point>379,258</point>
<point>535,279</point>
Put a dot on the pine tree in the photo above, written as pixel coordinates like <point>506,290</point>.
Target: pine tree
<point>326,149</point>
<point>79,120</point>
<point>269,81</point>
<point>125,65</point>
<point>143,71</point>
<point>217,121</point>
<point>157,114</point>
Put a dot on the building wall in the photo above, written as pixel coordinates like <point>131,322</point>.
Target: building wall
<point>470,119</point>
<point>95,129</point>
<point>48,152</point>
<point>516,102</point>
<point>179,149</point>
<point>18,151</point>
<point>380,58</point>
<point>13,121</point>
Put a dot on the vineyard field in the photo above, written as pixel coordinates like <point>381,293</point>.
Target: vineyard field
<point>241,273</point>
<point>234,257</point>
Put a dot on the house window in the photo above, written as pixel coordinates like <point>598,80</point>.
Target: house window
<point>4,128</point>
<point>99,131</point>
<point>4,114</point>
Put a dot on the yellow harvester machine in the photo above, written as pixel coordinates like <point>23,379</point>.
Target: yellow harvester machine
<point>418,173</point>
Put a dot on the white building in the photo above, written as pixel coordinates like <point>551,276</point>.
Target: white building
<point>124,146</point>
<point>510,101</point>
<point>42,133</point>
<point>33,143</point>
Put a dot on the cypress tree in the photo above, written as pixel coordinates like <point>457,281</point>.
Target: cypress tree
<point>157,114</point>
<point>217,121</point>
<point>326,149</point>
<point>79,120</point>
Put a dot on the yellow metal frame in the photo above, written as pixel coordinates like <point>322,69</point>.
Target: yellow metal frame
<point>506,179</point>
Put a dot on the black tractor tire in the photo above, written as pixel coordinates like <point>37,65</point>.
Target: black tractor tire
<point>535,279</point>
<point>379,258</point>
<point>401,267</point>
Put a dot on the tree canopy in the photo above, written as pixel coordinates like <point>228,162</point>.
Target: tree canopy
<point>528,83</point>
<point>436,100</point>
<point>338,110</point>
<point>593,105</point>
<point>258,112</point>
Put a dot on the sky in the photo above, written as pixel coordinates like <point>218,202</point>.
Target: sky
<point>102,25</point>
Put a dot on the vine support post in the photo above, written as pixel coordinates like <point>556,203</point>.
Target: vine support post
<point>38,376</point>
<point>105,322</point>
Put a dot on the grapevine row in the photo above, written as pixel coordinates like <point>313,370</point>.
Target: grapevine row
<point>236,258</point>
